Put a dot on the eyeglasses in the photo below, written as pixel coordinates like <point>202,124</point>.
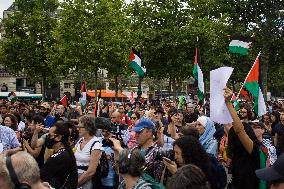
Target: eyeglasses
<point>133,117</point>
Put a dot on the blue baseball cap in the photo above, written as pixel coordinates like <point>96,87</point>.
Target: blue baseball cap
<point>142,124</point>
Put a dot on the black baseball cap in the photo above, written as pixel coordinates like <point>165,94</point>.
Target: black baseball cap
<point>273,173</point>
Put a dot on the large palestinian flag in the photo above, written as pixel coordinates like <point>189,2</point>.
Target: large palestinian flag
<point>136,63</point>
<point>239,45</point>
<point>198,76</point>
<point>252,86</point>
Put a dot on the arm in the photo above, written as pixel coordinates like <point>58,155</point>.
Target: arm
<point>237,124</point>
<point>94,161</point>
<point>160,136</point>
<point>37,142</point>
<point>34,152</point>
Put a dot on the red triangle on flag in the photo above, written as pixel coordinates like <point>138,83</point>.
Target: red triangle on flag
<point>64,101</point>
<point>254,72</point>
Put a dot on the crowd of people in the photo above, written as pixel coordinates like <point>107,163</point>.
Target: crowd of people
<point>139,146</point>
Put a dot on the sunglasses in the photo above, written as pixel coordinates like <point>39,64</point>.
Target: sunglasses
<point>133,117</point>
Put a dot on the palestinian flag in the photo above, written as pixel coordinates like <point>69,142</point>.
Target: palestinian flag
<point>83,98</point>
<point>136,63</point>
<point>235,102</point>
<point>198,76</point>
<point>239,46</point>
<point>253,87</point>
<point>64,101</point>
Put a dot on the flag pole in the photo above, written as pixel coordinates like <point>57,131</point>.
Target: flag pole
<point>248,75</point>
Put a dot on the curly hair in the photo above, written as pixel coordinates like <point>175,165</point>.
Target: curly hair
<point>188,177</point>
<point>88,121</point>
<point>14,121</point>
<point>193,153</point>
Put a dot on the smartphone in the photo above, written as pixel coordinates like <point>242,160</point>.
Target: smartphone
<point>168,160</point>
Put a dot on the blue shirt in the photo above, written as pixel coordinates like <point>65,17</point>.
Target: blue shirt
<point>49,121</point>
<point>110,179</point>
<point>8,138</point>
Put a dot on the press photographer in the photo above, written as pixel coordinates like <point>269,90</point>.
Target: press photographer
<point>26,137</point>
<point>111,181</point>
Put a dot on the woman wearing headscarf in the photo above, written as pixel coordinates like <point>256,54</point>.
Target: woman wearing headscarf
<point>206,131</point>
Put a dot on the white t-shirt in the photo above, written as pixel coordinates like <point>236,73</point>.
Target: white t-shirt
<point>83,156</point>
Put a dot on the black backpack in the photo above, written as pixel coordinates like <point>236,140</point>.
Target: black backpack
<point>218,174</point>
<point>103,167</point>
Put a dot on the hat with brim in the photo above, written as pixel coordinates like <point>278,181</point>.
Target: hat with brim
<point>268,174</point>
<point>143,124</point>
<point>273,173</point>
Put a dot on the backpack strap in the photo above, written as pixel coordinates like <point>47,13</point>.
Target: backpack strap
<point>93,145</point>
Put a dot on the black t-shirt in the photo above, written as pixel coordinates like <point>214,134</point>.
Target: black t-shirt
<point>60,169</point>
<point>243,164</point>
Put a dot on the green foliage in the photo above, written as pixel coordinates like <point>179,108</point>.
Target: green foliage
<point>28,38</point>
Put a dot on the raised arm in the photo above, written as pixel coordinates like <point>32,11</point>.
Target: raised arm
<point>237,124</point>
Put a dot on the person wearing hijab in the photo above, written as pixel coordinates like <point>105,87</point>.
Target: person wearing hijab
<point>206,131</point>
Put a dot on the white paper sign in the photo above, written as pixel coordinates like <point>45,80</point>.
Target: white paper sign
<point>219,112</point>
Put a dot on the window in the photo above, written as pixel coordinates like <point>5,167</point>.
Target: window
<point>67,85</point>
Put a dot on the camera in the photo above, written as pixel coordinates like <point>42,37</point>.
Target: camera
<point>114,128</point>
<point>168,154</point>
<point>26,134</point>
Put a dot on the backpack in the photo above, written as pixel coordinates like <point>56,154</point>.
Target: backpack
<point>218,173</point>
<point>154,184</point>
<point>103,167</point>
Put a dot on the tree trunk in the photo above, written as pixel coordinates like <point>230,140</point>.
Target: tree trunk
<point>116,88</point>
<point>96,84</point>
<point>170,86</point>
<point>43,86</point>
<point>174,89</point>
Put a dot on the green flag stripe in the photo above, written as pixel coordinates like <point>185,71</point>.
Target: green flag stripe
<point>253,89</point>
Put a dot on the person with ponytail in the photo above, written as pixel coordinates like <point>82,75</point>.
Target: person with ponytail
<point>60,170</point>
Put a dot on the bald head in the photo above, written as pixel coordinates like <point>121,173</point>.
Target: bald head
<point>115,117</point>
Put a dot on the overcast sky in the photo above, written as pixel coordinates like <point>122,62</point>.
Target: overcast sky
<point>4,4</point>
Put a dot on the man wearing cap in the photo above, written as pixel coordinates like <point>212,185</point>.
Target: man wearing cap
<point>274,175</point>
<point>49,120</point>
<point>144,135</point>
<point>191,115</point>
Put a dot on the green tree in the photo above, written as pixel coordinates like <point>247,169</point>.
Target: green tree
<point>93,35</point>
<point>28,39</point>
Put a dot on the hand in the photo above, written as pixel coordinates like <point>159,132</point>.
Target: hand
<point>116,145</point>
<point>228,93</point>
<point>172,167</point>
<point>39,128</point>
<point>25,143</point>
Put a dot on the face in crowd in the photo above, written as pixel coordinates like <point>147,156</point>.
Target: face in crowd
<point>143,136</point>
<point>3,110</point>
<point>121,109</point>
<point>178,155</point>
<point>115,117</point>
<point>243,113</point>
